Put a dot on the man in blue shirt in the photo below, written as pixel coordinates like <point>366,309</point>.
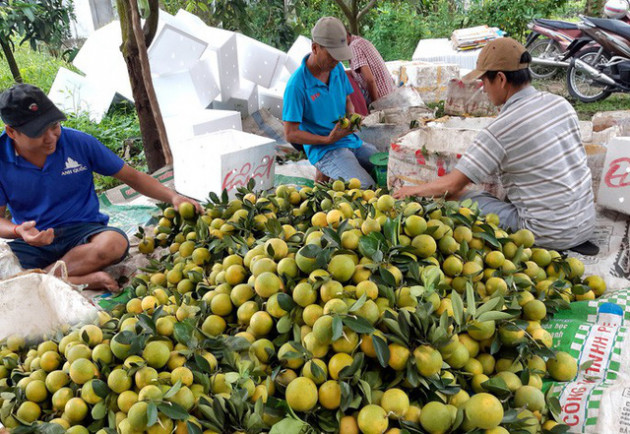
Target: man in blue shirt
<point>318,94</point>
<point>46,180</point>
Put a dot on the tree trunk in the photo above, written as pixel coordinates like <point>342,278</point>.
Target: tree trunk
<point>353,13</point>
<point>134,50</point>
<point>151,23</point>
<point>13,66</point>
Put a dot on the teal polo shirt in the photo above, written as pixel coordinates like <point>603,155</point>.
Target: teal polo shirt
<point>316,106</point>
<point>62,192</point>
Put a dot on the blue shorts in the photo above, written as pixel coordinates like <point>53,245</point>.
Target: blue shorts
<point>66,238</point>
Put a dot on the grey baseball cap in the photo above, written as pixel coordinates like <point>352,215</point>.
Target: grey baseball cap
<point>330,33</point>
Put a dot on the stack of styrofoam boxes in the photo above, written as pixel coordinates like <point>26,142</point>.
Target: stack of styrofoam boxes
<point>223,160</point>
<point>272,98</point>
<point>105,75</point>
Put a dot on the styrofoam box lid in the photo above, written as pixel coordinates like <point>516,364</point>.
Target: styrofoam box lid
<point>227,141</point>
<point>175,50</point>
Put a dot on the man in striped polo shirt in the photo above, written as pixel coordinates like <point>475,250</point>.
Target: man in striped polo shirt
<point>535,146</point>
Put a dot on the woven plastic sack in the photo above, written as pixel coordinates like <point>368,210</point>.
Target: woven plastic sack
<point>9,264</point>
<point>34,304</point>
<point>467,99</point>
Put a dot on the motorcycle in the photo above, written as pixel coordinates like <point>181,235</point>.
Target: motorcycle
<point>549,40</point>
<point>595,72</point>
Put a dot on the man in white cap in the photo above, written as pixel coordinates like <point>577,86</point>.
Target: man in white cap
<point>316,96</point>
<point>535,146</point>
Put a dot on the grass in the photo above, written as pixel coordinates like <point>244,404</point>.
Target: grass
<point>585,111</point>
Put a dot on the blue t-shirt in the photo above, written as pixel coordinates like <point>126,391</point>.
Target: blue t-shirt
<point>62,192</point>
<point>316,106</point>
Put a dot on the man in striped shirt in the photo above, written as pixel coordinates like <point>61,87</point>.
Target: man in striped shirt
<point>369,69</point>
<point>535,146</point>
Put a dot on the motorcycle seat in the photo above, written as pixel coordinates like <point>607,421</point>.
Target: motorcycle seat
<point>555,24</point>
<point>615,26</point>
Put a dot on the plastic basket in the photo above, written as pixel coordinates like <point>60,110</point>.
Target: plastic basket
<point>379,160</point>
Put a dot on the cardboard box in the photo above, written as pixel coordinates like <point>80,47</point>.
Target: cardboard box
<point>259,62</point>
<point>73,93</point>
<point>197,123</point>
<point>222,160</point>
<point>614,189</point>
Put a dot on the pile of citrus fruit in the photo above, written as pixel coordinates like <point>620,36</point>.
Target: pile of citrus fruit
<point>325,309</point>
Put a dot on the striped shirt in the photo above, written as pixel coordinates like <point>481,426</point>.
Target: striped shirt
<point>365,54</point>
<point>535,147</point>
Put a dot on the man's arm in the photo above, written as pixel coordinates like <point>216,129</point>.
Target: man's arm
<point>293,134</point>
<point>151,187</point>
<point>27,231</point>
<point>367,75</point>
<point>451,184</point>
<point>349,105</point>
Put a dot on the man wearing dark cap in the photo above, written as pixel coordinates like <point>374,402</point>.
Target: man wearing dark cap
<point>535,147</point>
<point>316,96</point>
<point>46,180</point>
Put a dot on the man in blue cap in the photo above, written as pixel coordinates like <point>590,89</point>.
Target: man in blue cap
<point>46,180</point>
<point>317,95</point>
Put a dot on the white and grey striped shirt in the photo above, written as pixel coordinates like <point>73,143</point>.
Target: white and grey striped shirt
<point>535,146</point>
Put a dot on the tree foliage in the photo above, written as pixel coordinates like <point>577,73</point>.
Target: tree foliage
<point>33,21</point>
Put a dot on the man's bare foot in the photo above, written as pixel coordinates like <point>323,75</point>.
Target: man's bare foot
<point>96,280</point>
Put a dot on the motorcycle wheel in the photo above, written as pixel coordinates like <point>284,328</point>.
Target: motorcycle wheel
<point>545,49</point>
<point>580,85</point>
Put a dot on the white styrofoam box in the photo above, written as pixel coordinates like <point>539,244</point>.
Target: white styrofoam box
<point>175,50</point>
<point>204,81</point>
<point>199,122</point>
<point>244,100</point>
<point>222,51</point>
<point>259,62</point>
<point>222,160</point>
<point>271,99</point>
<point>73,93</point>
<point>614,189</point>
<point>300,48</point>
<point>178,92</point>
<point>101,60</point>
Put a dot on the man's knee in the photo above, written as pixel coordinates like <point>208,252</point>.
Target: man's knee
<point>109,246</point>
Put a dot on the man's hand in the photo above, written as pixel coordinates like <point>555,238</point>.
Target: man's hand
<point>407,191</point>
<point>338,133</point>
<point>29,233</point>
<point>178,199</point>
